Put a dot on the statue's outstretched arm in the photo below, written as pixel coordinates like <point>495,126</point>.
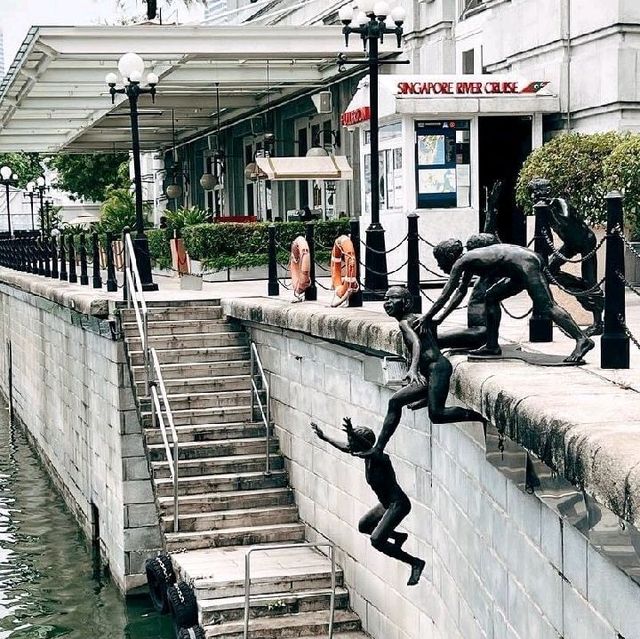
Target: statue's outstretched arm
<point>452,284</point>
<point>334,442</point>
<point>457,297</point>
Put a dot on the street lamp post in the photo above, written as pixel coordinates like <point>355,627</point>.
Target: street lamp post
<point>374,21</point>
<point>131,67</point>
<point>30,193</point>
<point>8,178</point>
<point>41,185</point>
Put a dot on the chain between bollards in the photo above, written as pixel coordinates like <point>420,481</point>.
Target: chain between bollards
<point>614,345</point>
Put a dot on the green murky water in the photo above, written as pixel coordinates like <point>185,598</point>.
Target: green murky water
<point>50,582</point>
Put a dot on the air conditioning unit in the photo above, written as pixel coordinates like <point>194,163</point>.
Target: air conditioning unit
<point>323,102</point>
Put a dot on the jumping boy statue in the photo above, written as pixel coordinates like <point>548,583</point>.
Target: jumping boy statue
<point>394,505</point>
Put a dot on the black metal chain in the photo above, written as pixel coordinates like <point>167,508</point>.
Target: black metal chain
<point>589,291</point>
<point>370,270</point>
<point>426,241</point>
<point>569,260</point>
<point>426,296</point>
<point>628,333</point>
<point>321,267</point>
<point>516,317</point>
<point>377,252</point>
<point>426,268</point>
<point>627,283</point>
<point>626,242</point>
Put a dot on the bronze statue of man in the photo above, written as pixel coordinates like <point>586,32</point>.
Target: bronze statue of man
<point>516,269</point>
<point>577,239</point>
<point>393,504</point>
<point>475,335</point>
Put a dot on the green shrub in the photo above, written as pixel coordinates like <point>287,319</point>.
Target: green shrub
<point>159,247</point>
<point>117,212</point>
<point>177,220</point>
<point>574,164</point>
<point>234,245</point>
<point>622,173</point>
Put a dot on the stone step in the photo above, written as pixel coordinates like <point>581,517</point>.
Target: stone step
<point>195,385</point>
<point>226,609</point>
<point>238,518</point>
<point>198,370</point>
<point>179,327</point>
<point>192,340</point>
<point>292,533</point>
<point>312,624</point>
<point>209,432</point>
<point>228,500</point>
<point>221,448</point>
<point>226,467</point>
<point>191,355</point>
<point>210,415</point>
<point>214,399</point>
<point>199,484</point>
<point>176,313</point>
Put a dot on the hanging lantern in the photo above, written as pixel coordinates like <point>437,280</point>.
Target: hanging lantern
<point>174,191</point>
<point>208,182</point>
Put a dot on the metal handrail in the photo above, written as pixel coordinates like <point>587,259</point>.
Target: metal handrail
<point>135,297</point>
<point>265,410</point>
<point>157,411</point>
<point>266,597</point>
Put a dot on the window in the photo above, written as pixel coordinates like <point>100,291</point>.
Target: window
<point>443,150</point>
<point>468,62</point>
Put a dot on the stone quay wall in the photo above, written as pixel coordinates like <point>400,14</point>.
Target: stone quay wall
<point>73,396</point>
<point>513,549</point>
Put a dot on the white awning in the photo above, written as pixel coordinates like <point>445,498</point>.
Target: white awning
<point>303,168</point>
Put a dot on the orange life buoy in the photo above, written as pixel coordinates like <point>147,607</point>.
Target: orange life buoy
<point>300,265</point>
<point>343,269</point>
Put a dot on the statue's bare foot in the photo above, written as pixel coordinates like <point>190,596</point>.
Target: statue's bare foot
<point>486,350</point>
<point>400,539</point>
<point>416,571</point>
<point>583,346</point>
<point>597,328</point>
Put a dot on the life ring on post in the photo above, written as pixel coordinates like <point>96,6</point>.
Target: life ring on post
<point>343,270</point>
<point>300,266</point>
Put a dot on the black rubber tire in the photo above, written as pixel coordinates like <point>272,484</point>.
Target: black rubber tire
<point>195,632</point>
<point>160,576</point>
<point>183,605</point>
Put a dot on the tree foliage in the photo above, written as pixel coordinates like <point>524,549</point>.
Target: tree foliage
<point>118,211</point>
<point>27,166</point>
<point>575,166</point>
<point>90,176</point>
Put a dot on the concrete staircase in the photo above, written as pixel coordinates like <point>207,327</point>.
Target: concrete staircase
<point>227,504</point>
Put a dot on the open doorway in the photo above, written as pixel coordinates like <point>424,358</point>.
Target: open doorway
<point>504,144</point>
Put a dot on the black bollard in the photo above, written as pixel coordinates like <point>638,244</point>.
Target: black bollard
<point>54,258</point>
<point>273,288</point>
<point>84,273</point>
<point>311,294</point>
<point>112,282</point>
<point>40,251</point>
<point>355,301</point>
<point>614,345</point>
<point>125,263</point>
<point>64,275</point>
<point>541,326</point>
<point>413,261</point>
<point>73,277</point>
<point>95,251</point>
<point>46,256</point>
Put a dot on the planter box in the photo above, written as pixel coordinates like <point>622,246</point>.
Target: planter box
<point>632,264</point>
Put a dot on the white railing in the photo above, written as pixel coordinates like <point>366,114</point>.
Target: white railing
<point>161,410</point>
<point>265,409</point>
<point>134,297</point>
<point>267,597</point>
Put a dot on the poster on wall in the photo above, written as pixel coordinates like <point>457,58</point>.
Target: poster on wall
<point>437,181</point>
<point>431,149</point>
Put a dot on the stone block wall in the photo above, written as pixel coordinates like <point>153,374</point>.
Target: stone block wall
<point>72,393</point>
<point>503,561</point>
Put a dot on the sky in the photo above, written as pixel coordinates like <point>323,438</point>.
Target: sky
<point>17,16</point>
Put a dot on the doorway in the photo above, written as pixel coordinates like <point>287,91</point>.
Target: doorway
<point>504,144</point>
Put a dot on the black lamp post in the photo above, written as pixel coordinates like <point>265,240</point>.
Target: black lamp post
<point>8,178</point>
<point>374,22</point>
<point>31,193</point>
<point>131,66</point>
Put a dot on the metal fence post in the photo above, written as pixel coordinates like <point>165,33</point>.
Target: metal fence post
<point>273,287</point>
<point>64,275</point>
<point>112,282</point>
<point>413,261</point>
<point>355,301</point>
<point>73,277</point>
<point>541,326</point>
<point>46,254</point>
<point>39,243</point>
<point>95,252</point>
<point>311,294</point>
<point>614,345</point>
<point>84,273</point>
<point>54,258</point>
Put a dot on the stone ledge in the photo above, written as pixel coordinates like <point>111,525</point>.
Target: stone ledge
<point>581,425</point>
<point>81,299</point>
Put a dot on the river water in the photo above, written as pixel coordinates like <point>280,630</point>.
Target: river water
<point>50,582</point>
